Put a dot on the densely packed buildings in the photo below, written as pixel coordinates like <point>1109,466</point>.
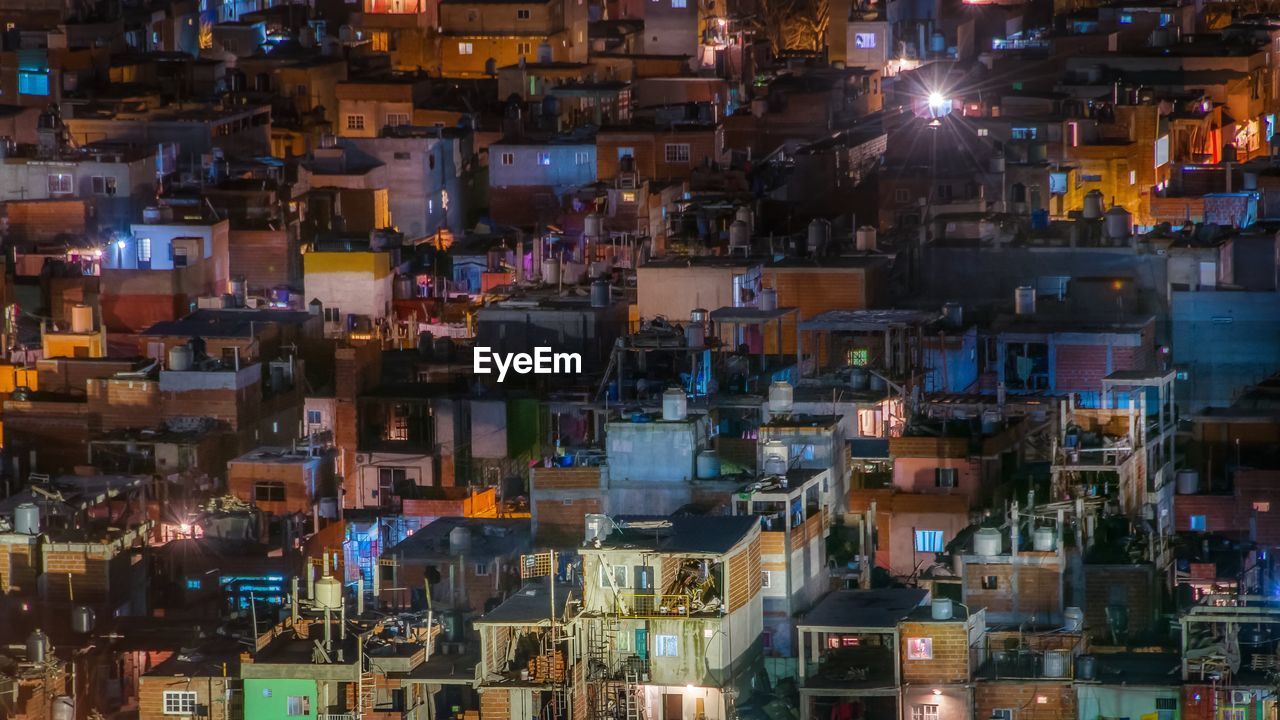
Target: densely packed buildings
<point>639,360</point>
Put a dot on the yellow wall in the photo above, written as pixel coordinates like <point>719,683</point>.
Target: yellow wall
<point>12,377</point>
<point>65,344</point>
<point>377,264</point>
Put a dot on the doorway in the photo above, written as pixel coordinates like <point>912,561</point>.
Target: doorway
<point>672,707</point>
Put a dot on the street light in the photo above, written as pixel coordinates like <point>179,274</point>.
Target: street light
<point>939,104</point>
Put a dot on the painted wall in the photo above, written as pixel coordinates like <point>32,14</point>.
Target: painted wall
<point>269,699</point>
<point>1224,342</point>
<point>356,283</point>
<point>655,451</point>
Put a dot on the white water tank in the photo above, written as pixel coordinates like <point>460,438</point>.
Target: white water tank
<point>37,646</point>
<point>1024,300</point>
<point>768,299</point>
<point>1249,181</point>
<point>551,271</point>
<point>987,542</point>
<point>675,406</point>
<point>1044,539</point>
<point>573,272</point>
<point>64,708</point>
<point>708,465</point>
<point>1055,663</point>
<point>1092,205</point>
<point>739,234</point>
<point>26,519</point>
<point>82,619</point>
<point>593,226</point>
<point>1073,619</point>
<point>1187,482</point>
<point>781,397</point>
<point>996,164</point>
<point>597,526</point>
<point>180,358</point>
<point>865,238</point>
<point>328,593</point>
<point>81,318</point>
<point>744,214</point>
<point>941,609</point>
<point>1118,223</point>
<point>459,540</point>
<point>777,457</point>
<point>695,336</point>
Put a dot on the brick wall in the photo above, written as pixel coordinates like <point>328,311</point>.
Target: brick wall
<point>262,258</point>
<point>243,477</point>
<point>563,521</point>
<point>813,292</point>
<point>1024,698</point>
<point>495,704</point>
<point>124,403</point>
<point>1128,585</point>
<point>950,661</point>
<point>151,689</point>
<point>928,447</point>
<point>1038,588</point>
<point>18,567</point>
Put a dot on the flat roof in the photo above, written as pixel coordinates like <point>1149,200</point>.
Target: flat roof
<point>868,320</point>
<point>531,604</point>
<point>880,609</point>
<point>711,534</point>
<point>750,315</point>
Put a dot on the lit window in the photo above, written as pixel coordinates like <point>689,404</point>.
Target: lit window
<point>924,712</point>
<point>33,83</point>
<point>1198,523</point>
<point>1126,18</point>
<point>983,132</point>
<point>766,579</point>
<point>544,158</point>
<point>1023,133</point>
<point>858,357</point>
<point>298,705</point>
<point>945,477</point>
<point>144,250</point>
<point>193,583</point>
<point>919,648</point>
<point>397,119</point>
<point>864,41</point>
<point>508,158</point>
<point>677,152</point>
<point>522,14</point>
<point>582,157</point>
<point>1133,177</point>
<point>465,48</point>
<point>60,184</point>
<point>679,4</point>
<point>666,646</point>
<point>929,541</point>
<point>991,582</point>
<point>355,122</point>
<point>179,702</point>
<point>1262,507</point>
<point>628,196</point>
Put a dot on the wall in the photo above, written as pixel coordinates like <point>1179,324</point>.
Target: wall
<point>899,515</point>
<point>210,692</point>
<point>655,451</point>
<point>568,167</point>
<point>356,283</point>
<point>950,662</point>
<point>674,292</point>
<point>262,705</point>
<point>1024,699</point>
<point>1225,341</point>
<point>1133,586</point>
<point>1095,702</point>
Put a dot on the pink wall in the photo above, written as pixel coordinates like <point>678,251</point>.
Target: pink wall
<point>916,475</point>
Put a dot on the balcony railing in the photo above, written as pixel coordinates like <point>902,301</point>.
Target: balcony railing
<point>642,605</point>
<point>336,716</point>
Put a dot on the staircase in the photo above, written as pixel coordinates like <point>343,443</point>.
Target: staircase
<point>365,688</point>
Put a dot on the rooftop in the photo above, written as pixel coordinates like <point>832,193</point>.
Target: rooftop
<point>879,609</point>
<point>714,534</point>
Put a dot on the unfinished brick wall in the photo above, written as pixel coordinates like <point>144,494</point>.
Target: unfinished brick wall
<point>495,704</point>
<point>950,660</point>
<point>1038,588</point>
<point>1132,586</point>
<point>1025,699</point>
<point>18,567</point>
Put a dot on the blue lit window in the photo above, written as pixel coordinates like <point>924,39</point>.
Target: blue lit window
<point>193,583</point>
<point>1023,133</point>
<point>1165,19</point>
<point>1126,18</point>
<point>544,158</point>
<point>33,83</point>
<point>929,541</point>
<point>1198,523</point>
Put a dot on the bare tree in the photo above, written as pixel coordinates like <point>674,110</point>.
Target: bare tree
<point>771,20</point>
<point>807,25</point>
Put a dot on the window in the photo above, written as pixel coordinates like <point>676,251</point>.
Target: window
<point>919,648</point>
<point>300,91</point>
<point>508,158</point>
<point>901,196</point>
<point>33,83</point>
<point>522,14</point>
<point>524,48</point>
<point>193,583</point>
<point>332,315</point>
<point>677,152</point>
<point>1133,177</point>
<point>402,155</point>
<point>355,122</point>
<point>945,477</point>
<point>313,417</point>
<point>178,254</point>
<point>679,4</point>
<point>619,576</point>
<point>666,646</point>
<point>1002,714</point>
<point>60,184</point>
<point>626,152</point>
<point>397,119</point>
<point>1262,507</point>
<point>929,541</point>
<point>179,702</point>
<point>104,185</point>
<point>297,705</point>
<point>766,579</point>
<point>864,41</point>
<point>144,250</point>
<point>1023,133</point>
<point>628,196</point>
<point>268,492</point>
<point>991,582</point>
<point>582,157</point>
<point>858,357</point>
<point>1234,713</point>
<point>1197,523</point>
<point>924,712</point>
<point>482,569</point>
<point>465,48</point>
<point>389,477</point>
<point>544,158</point>
<point>983,132</point>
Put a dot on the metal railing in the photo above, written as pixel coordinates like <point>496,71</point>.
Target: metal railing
<point>642,605</point>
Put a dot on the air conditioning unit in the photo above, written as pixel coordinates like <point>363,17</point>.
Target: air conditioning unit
<point>1241,697</point>
<point>361,459</point>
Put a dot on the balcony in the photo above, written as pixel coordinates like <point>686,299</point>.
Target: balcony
<point>1015,656</point>
<point>644,605</point>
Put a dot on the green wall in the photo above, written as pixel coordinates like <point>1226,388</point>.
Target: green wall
<point>269,699</point>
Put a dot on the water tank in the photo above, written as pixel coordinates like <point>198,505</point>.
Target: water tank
<point>597,526</point>
<point>328,593</point>
<point>37,646</point>
<point>593,226</point>
<point>64,708</point>
<point>180,358</point>
<point>953,314</point>
<point>739,234</point>
<point>744,214</point>
<point>82,619</point>
<point>708,465</point>
<point>941,609</point>
<point>600,294</point>
<point>781,397</point>
<point>1044,539</point>
<point>987,542</point>
<point>453,626</point>
<point>329,508</point>
<point>1055,663</point>
<point>551,271</point>
<point>573,272</point>
<point>238,289</point>
<point>996,163</point>
<point>865,238</point>
<point>1118,223</point>
<point>819,236</point>
<point>1187,482</point>
<point>26,519</point>
<point>1249,181</point>
<point>403,288</point>
<point>1073,620</point>
<point>1086,667</point>
<point>459,540</point>
<point>859,378</point>
<point>777,457</point>
<point>1093,205</point>
<point>81,318</point>
<point>937,44</point>
<point>698,316</point>
<point>1024,300</point>
<point>675,406</point>
<point>768,299</point>
<point>600,268</point>
<point>695,336</point>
